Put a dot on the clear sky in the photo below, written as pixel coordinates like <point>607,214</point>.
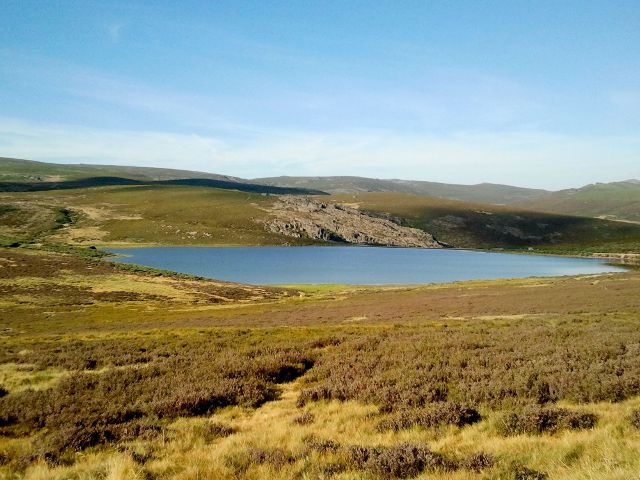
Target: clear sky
<point>531,93</point>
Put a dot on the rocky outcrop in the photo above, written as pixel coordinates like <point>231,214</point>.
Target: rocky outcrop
<point>624,258</point>
<point>302,217</point>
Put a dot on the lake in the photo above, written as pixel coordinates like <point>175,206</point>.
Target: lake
<point>354,265</point>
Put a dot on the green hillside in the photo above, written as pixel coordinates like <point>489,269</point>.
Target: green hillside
<point>49,202</point>
<point>618,200</point>
<point>165,215</point>
<point>17,170</point>
<point>489,226</point>
<point>615,201</point>
<point>481,193</point>
<point>28,176</point>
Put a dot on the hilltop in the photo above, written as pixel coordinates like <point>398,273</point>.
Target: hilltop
<point>480,193</point>
<point>615,201</point>
<point>26,175</point>
<point>18,170</point>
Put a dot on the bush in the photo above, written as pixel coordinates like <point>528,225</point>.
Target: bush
<point>172,377</point>
<point>520,472</point>
<point>314,394</point>
<point>634,419</point>
<point>305,418</point>
<point>479,461</point>
<point>213,430</point>
<point>276,457</point>
<point>398,461</point>
<point>323,446</point>
<point>538,420</point>
<point>443,413</point>
<point>515,365</point>
<point>3,391</point>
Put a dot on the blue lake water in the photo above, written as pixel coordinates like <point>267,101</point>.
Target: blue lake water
<point>354,265</point>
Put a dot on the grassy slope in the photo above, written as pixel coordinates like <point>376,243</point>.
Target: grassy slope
<point>16,170</point>
<point>618,200</point>
<point>189,215</point>
<point>167,215</point>
<point>482,193</point>
<point>62,311</point>
<point>489,226</point>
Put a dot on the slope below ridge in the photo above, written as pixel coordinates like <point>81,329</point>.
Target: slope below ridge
<point>19,170</point>
<point>479,193</point>
<point>475,225</point>
<point>615,201</point>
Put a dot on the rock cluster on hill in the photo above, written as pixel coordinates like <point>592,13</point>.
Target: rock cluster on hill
<point>303,217</point>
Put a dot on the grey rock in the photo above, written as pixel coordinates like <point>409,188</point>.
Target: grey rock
<point>302,217</point>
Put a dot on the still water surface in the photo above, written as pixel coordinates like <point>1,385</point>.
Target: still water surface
<point>353,265</point>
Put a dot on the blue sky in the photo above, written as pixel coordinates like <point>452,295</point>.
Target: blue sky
<point>542,94</point>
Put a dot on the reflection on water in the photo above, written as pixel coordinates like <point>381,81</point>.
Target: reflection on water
<point>354,265</point>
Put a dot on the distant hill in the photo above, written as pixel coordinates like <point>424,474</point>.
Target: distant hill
<point>480,193</point>
<point>153,205</point>
<point>17,170</point>
<point>474,225</point>
<point>616,201</point>
<point>29,176</point>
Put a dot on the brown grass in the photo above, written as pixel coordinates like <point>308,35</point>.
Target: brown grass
<point>501,379</point>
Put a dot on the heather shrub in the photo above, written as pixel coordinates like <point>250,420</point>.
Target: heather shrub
<point>305,418</point>
<point>443,413</point>
<point>479,461</point>
<point>320,445</point>
<point>59,445</point>
<point>179,377</point>
<point>276,457</point>
<point>539,420</point>
<point>324,342</point>
<point>520,472</point>
<point>524,363</point>
<point>634,419</point>
<point>213,430</point>
<point>314,394</point>
<point>398,461</point>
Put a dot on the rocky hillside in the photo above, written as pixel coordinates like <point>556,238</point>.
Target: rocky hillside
<point>302,217</point>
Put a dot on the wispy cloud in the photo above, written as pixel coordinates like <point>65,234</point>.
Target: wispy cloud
<point>114,30</point>
<point>382,130</point>
<point>439,99</point>
<point>540,159</point>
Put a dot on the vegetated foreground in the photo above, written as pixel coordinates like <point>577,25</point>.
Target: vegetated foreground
<point>114,372</point>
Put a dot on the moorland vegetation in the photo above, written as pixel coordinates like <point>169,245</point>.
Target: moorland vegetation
<point>140,374</point>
